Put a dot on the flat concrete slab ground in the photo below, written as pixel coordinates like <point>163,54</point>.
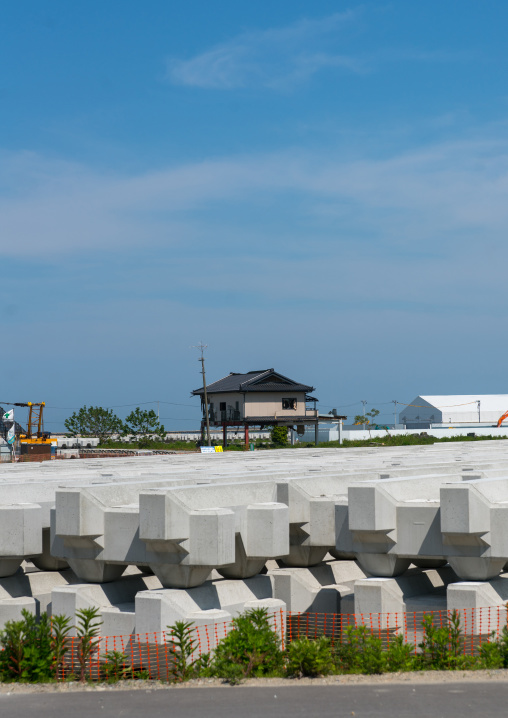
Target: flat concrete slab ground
<point>382,700</point>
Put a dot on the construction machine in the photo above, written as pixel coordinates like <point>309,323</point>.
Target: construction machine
<point>35,433</point>
<point>502,418</point>
<point>35,440</point>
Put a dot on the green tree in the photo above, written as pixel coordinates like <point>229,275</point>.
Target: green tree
<point>93,421</point>
<point>143,424</point>
<point>367,418</point>
<point>279,435</point>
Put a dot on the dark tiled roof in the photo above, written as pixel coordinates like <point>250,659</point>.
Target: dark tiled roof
<point>253,381</point>
<point>273,386</point>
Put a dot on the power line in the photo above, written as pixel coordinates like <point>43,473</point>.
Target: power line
<point>175,418</point>
<point>357,403</point>
<point>120,406</point>
<point>340,406</point>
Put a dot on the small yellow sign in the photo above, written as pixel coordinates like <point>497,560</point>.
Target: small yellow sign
<point>218,449</point>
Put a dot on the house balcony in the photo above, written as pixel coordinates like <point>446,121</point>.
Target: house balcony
<point>218,417</point>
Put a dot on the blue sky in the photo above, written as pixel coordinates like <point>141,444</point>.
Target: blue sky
<point>321,188</point>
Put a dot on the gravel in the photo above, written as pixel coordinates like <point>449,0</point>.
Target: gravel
<point>419,678</point>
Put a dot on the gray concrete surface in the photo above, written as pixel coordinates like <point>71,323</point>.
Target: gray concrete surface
<point>361,701</point>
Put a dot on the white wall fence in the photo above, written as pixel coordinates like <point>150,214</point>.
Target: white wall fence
<point>331,433</point>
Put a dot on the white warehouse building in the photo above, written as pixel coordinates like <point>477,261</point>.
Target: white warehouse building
<point>426,411</point>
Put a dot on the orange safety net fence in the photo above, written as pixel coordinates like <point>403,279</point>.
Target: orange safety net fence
<point>152,655</point>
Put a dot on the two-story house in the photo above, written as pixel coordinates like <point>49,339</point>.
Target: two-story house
<point>258,398</point>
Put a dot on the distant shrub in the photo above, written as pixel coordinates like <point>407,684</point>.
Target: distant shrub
<point>309,657</point>
<point>442,647</point>
<point>279,435</point>
<point>400,656</point>
<point>251,648</point>
<point>33,648</point>
<point>360,652</point>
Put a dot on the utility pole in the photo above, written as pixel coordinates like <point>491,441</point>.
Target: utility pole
<point>394,401</point>
<point>478,403</point>
<point>202,347</point>
<point>364,401</point>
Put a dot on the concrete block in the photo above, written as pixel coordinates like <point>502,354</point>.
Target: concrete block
<point>482,605</point>
<point>414,592</point>
<point>475,528</point>
<point>383,506</point>
<point>210,605</point>
<point>308,590</point>
<point>67,600</point>
<point>236,538</point>
<point>157,611</point>
<point>118,620</point>
<point>394,522</point>
<point>20,535</point>
<point>11,608</point>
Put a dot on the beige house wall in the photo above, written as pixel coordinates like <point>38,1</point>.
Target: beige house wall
<point>270,404</point>
<point>252,405</point>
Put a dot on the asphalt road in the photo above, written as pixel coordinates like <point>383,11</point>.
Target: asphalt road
<point>396,701</point>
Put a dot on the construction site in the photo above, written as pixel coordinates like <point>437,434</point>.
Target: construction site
<point>321,538</point>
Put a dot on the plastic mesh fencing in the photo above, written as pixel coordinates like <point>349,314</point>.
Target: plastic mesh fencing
<point>153,655</point>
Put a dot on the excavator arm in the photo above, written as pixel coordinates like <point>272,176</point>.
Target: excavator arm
<point>502,418</point>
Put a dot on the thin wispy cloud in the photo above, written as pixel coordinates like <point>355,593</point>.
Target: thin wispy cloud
<point>282,58</point>
<point>458,185</point>
<point>436,214</point>
<point>272,58</point>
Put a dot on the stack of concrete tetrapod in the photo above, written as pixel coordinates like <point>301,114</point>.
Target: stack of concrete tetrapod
<point>475,532</point>
<point>325,509</point>
<point>188,519</point>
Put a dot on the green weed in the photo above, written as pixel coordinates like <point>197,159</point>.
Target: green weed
<point>309,657</point>
<point>184,645</point>
<point>87,631</point>
<point>251,648</point>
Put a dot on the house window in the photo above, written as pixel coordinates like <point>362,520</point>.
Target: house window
<point>223,406</point>
<point>288,404</point>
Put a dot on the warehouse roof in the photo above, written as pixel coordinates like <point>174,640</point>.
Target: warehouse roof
<point>257,380</point>
<point>465,402</point>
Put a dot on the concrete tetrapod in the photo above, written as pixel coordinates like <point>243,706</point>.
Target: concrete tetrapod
<point>20,535</point>
<point>315,482</point>
<point>182,545</point>
<point>181,532</point>
<point>214,602</point>
<point>100,530</point>
<point>320,519</point>
<point>474,601</point>
<point>416,591</point>
<point>474,523</point>
<point>96,528</point>
<point>396,522</point>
